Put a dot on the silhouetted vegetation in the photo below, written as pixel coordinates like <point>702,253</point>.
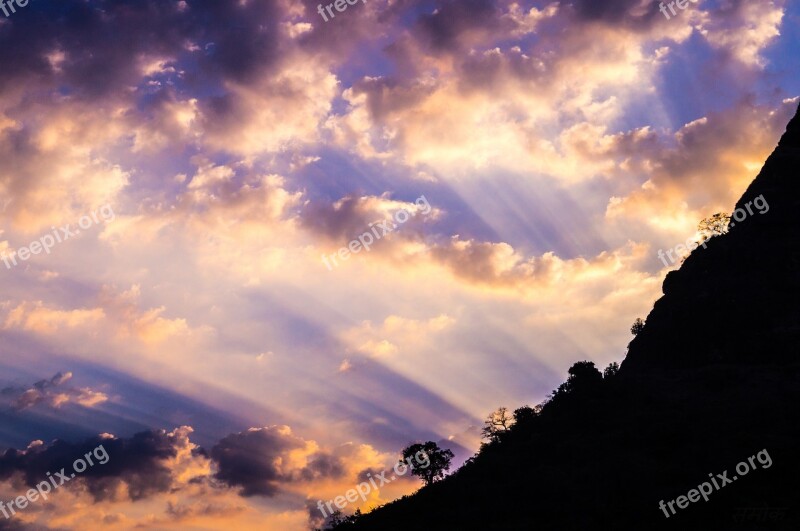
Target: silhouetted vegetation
<point>611,370</point>
<point>526,413</point>
<point>583,377</point>
<point>439,461</point>
<point>714,226</point>
<point>638,326</point>
<point>498,423</point>
<point>338,521</point>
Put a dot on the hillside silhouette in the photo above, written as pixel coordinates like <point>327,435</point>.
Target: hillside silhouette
<point>710,380</point>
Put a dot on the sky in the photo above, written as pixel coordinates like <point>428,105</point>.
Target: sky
<point>188,169</point>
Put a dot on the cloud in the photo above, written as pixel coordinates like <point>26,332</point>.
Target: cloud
<point>744,29</point>
<point>498,106</point>
<point>352,215</point>
<point>499,265</point>
<point>36,317</point>
<point>633,14</point>
<point>395,334</point>
<point>115,312</point>
<point>96,51</point>
<point>702,169</point>
<point>49,181</point>
<point>152,480</point>
<point>453,22</point>
<point>273,461</point>
<point>259,460</point>
<point>245,120</point>
<point>138,467</point>
<point>133,96</point>
<point>53,393</point>
<point>517,105</point>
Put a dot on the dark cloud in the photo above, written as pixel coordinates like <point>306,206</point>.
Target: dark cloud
<point>15,525</point>
<point>389,95</point>
<point>347,218</point>
<point>252,460</point>
<point>256,461</point>
<point>185,511</point>
<point>479,262</point>
<point>102,43</point>
<point>352,216</point>
<point>443,29</point>
<point>139,462</point>
<point>247,460</point>
<point>489,71</point>
<point>629,12</point>
<point>364,475</point>
<point>321,466</point>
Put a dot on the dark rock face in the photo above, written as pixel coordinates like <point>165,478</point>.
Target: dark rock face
<point>738,300</point>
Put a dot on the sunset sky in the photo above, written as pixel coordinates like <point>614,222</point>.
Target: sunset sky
<point>559,146</point>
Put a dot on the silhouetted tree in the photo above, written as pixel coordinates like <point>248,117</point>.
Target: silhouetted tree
<point>638,326</point>
<point>611,370</point>
<point>714,226</point>
<point>525,413</point>
<point>439,461</point>
<point>583,376</point>
<point>496,424</point>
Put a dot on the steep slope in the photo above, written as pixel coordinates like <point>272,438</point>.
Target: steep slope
<point>736,301</point>
<point>711,381</point>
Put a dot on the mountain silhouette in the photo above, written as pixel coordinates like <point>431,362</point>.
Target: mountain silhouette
<point>711,382</point>
<point>742,289</point>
